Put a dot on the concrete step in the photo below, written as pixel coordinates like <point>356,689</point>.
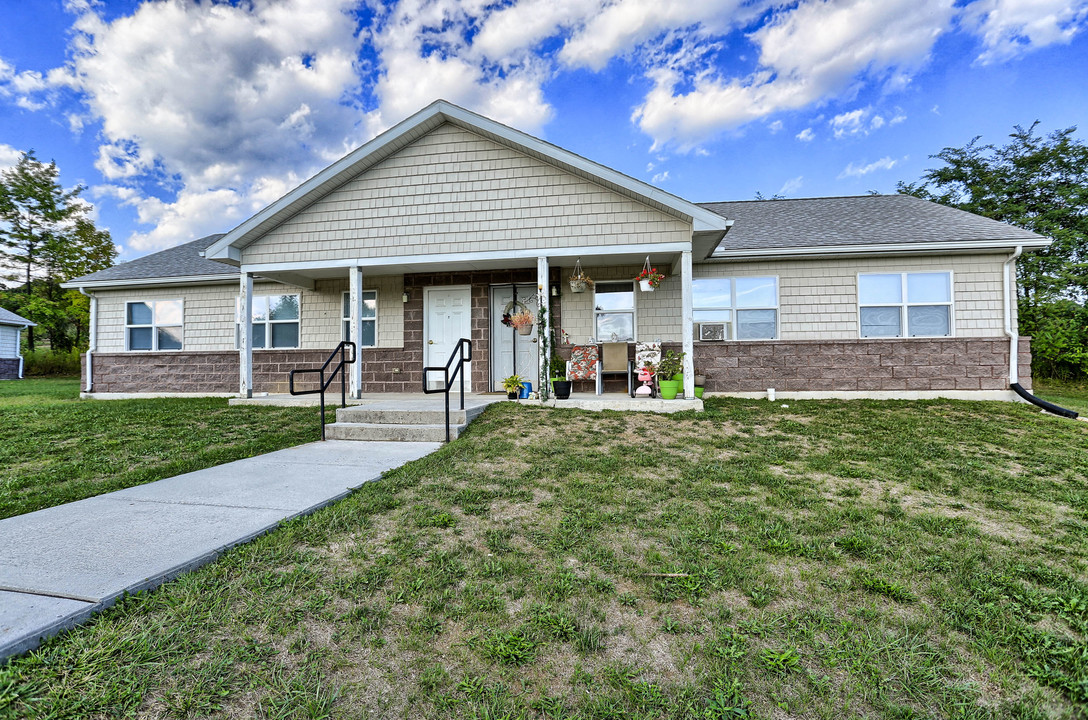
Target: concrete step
<point>393,432</point>
<point>363,414</point>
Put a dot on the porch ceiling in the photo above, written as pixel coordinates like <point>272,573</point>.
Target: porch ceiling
<point>294,275</point>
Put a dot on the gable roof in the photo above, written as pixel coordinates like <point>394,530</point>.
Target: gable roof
<point>182,262</point>
<point>7,317</point>
<point>434,115</point>
<point>870,223</point>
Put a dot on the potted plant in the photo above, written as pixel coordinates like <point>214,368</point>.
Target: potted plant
<point>512,386</point>
<point>700,382</point>
<point>562,387</point>
<point>579,281</point>
<point>670,366</point>
<point>522,322</point>
<point>649,279</point>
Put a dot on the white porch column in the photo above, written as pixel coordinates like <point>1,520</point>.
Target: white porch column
<point>686,324</point>
<point>355,299</point>
<point>92,341</point>
<point>543,298</point>
<point>245,336</point>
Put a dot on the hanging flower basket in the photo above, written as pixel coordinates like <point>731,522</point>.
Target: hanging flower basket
<point>522,322</point>
<point>649,278</point>
<point>579,281</point>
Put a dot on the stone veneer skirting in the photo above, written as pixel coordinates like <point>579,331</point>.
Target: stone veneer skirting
<point>9,368</point>
<point>962,364</point>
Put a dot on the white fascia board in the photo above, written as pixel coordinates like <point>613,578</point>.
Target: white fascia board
<point>395,137</point>
<point>150,282</point>
<point>470,257</point>
<point>881,249</point>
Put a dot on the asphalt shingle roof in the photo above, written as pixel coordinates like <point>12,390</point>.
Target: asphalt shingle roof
<point>7,317</point>
<point>857,220</point>
<point>181,261</point>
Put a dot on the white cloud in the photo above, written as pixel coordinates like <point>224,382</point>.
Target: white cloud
<point>1009,28</point>
<point>806,135</point>
<point>808,53</point>
<point>856,171</point>
<point>791,186</point>
<point>775,127</point>
<point>9,156</point>
<point>660,177</point>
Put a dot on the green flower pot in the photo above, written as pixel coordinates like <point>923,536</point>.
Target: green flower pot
<point>698,392</point>
<point>669,388</point>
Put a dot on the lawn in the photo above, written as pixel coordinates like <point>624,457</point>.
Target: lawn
<point>55,448</point>
<point>1069,395</point>
<point>795,559</point>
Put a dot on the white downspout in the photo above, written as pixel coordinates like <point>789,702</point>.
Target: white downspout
<point>1010,332</point>
<point>92,337</point>
<point>18,341</point>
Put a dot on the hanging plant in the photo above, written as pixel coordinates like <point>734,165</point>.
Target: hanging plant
<point>579,281</point>
<point>522,321</point>
<point>649,278</point>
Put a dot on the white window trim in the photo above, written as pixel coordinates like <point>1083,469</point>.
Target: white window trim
<point>155,326</point>
<point>633,311</point>
<point>951,303</point>
<point>267,333</point>
<point>733,328</point>
<point>347,318</point>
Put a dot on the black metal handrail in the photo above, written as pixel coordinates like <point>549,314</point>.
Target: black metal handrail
<point>458,354</point>
<point>325,383</point>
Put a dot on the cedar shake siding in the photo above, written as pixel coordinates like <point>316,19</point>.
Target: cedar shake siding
<point>452,191</point>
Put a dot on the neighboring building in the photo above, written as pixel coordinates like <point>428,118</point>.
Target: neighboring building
<point>429,232</point>
<point>11,360</point>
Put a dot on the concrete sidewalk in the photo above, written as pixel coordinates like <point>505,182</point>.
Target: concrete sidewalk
<point>60,565</point>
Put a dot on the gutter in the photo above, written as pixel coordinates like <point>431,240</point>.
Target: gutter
<point>821,251</point>
<point>92,340</point>
<point>1010,333</point>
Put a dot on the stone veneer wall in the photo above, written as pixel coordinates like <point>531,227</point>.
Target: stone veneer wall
<point>384,369</point>
<point>9,368</point>
<point>861,365</point>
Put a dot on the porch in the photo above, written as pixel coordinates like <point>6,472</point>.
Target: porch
<point>420,403</point>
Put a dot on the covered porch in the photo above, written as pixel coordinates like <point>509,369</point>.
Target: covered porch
<point>448,297</point>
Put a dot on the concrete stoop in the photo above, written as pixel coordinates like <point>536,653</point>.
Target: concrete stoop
<point>362,423</point>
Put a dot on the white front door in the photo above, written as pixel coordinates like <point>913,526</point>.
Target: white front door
<point>447,317</point>
<point>512,353</point>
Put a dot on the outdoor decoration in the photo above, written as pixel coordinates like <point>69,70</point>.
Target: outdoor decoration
<point>649,278</point>
<point>579,281</point>
<point>646,377</point>
<point>522,321</point>
<point>514,307</point>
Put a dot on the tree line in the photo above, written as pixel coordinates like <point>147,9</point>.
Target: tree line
<point>46,239</point>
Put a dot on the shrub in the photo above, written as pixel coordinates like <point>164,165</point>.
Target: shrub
<point>47,362</point>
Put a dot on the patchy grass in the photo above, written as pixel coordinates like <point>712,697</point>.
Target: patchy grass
<point>825,560</point>
<point>1068,394</point>
<point>56,448</point>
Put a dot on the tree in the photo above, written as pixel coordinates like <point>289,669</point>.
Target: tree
<point>1040,184</point>
<point>46,239</point>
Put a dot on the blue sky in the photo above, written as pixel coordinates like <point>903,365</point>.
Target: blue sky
<point>183,118</point>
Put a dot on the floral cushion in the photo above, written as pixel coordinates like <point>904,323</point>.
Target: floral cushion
<point>583,363</point>
<point>647,352</point>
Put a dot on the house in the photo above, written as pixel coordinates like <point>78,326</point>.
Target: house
<point>11,360</point>
<point>435,229</point>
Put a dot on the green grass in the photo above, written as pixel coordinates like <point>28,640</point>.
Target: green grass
<point>55,448</point>
<point>822,560</point>
<point>1072,395</point>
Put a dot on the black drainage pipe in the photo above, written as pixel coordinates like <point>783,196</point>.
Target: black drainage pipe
<point>1049,407</point>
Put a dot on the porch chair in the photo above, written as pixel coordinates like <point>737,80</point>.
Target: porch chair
<point>583,363</point>
<point>644,352</point>
<point>613,362</point>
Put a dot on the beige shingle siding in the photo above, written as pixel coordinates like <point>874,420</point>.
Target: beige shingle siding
<point>818,298</point>
<point>209,313</point>
<point>452,191</point>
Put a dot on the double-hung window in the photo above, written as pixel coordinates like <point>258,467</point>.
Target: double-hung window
<point>368,331</point>
<point>905,304</point>
<point>614,311</point>
<point>746,306</point>
<point>275,321</point>
<point>154,325</point>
